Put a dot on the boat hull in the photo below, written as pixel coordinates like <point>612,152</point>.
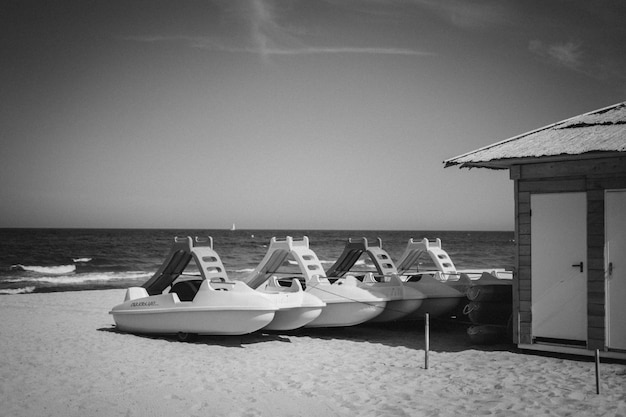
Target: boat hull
<point>441,299</point>
<point>347,313</point>
<point>223,308</point>
<point>202,322</point>
<point>293,318</point>
<point>402,300</point>
<point>501,293</point>
<point>435,307</point>
<point>295,308</point>
<point>346,303</point>
<point>398,309</point>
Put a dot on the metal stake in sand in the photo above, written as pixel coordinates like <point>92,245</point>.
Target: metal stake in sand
<point>427,340</point>
<point>598,371</point>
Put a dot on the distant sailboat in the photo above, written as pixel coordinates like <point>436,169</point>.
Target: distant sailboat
<point>232,228</point>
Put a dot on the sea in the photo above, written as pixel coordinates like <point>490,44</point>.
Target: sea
<point>52,260</point>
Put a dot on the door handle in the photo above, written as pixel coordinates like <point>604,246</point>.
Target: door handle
<point>610,268</point>
<point>580,265</point>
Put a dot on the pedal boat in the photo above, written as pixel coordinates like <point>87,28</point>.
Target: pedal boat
<point>294,307</point>
<point>403,299</point>
<point>171,302</point>
<point>347,304</point>
<point>446,287</point>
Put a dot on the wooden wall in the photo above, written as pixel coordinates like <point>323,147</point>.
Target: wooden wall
<point>592,176</point>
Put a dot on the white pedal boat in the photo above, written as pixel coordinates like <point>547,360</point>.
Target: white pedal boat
<point>403,299</point>
<point>427,267</point>
<point>204,304</point>
<point>219,308</point>
<point>347,304</point>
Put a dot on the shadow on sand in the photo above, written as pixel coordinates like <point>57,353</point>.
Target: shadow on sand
<point>225,341</point>
<point>444,336</point>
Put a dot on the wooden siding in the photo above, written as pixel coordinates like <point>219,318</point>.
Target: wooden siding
<point>581,168</point>
<point>590,176</point>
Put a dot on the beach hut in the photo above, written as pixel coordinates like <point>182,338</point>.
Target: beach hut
<point>569,289</point>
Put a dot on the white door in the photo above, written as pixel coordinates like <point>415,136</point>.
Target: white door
<point>615,223</point>
<point>559,266</point>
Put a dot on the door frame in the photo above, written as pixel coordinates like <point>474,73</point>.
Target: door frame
<point>541,332</point>
<point>608,279</point>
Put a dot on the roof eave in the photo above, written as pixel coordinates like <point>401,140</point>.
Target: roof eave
<point>506,163</point>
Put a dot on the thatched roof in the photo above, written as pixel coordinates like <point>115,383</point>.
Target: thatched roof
<point>599,133</point>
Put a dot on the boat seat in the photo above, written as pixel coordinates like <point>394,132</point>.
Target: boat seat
<point>186,290</point>
<point>414,278</point>
<point>288,281</point>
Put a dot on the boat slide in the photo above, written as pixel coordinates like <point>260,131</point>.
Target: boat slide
<point>443,268</point>
<point>440,258</point>
<point>403,299</point>
<point>437,297</point>
<point>347,303</point>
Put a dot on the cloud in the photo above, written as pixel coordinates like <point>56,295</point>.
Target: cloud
<point>344,50</point>
<point>271,37</point>
<point>468,14</point>
<point>262,47</point>
<point>568,55</point>
<point>262,25</point>
<point>266,29</point>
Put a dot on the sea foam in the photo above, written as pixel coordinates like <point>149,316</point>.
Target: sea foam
<point>81,260</point>
<point>56,270</point>
<point>24,290</point>
<point>82,278</point>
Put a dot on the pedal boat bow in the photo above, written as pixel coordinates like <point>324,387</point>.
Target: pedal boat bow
<point>296,308</point>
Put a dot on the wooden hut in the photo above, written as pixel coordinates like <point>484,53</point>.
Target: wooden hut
<point>569,290</point>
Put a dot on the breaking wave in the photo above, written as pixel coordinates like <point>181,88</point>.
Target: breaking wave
<point>244,270</point>
<point>23,290</point>
<point>83,278</point>
<point>81,260</point>
<point>56,270</point>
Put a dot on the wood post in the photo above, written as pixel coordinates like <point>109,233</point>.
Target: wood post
<point>427,340</point>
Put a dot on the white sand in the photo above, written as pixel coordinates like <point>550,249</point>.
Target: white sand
<point>60,357</point>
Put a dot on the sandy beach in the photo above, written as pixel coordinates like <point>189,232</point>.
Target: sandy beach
<point>61,356</point>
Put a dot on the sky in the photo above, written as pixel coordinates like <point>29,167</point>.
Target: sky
<point>294,114</point>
